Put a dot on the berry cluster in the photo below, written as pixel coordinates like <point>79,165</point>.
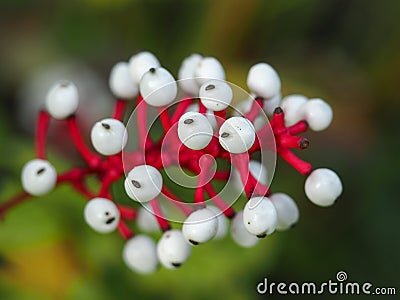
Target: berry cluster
<point>196,132</point>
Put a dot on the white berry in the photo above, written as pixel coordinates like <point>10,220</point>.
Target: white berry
<point>140,63</point>
<point>62,99</point>
<point>216,95</point>
<point>158,87</point>
<point>200,226</point>
<point>222,222</point>
<point>140,254</point>
<point>318,114</point>
<point>323,187</point>
<point>186,74</point>
<point>109,136</point>
<point>240,234</point>
<point>263,81</point>
<point>143,183</point>
<point>237,135</point>
<point>194,130</point>
<point>38,177</point>
<point>286,209</point>
<point>292,106</point>
<point>209,68</point>
<point>102,215</point>
<point>259,216</point>
<point>121,83</point>
<point>172,249</point>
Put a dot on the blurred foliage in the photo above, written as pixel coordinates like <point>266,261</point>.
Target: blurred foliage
<point>347,52</point>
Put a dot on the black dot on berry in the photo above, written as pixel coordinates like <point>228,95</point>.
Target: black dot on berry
<point>107,213</point>
<point>152,70</point>
<point>210,87</point>
<point>106,126</point>
<point>40,171</point>
<point>176,265</point>
<point>193,242</point>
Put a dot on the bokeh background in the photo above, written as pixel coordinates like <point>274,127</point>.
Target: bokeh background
<point>345,51</point>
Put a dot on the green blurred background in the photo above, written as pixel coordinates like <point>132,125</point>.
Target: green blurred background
<point>347,52</point>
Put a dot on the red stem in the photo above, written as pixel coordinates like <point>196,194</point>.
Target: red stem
<point>220,117</point>
<point>256,107</point>
<point>119,109</point>
<point>124,230</point>
<point>162,221</point>
<point>144,139</point>
<point>185,208</point>
<point>42,127</point>
<point>301,166</point>
<point>297,128</point>
<point>127,213</point>
<point>92,159</point>
<point>219,202</point>
<point>202,108</point>
<point>164,117</point>
<point>14,201</point>
<point>180,109</point>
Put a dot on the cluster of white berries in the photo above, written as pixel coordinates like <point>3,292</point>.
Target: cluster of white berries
<point>202,78</point>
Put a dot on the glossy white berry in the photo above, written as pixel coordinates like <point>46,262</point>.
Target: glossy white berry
<point>140,254</point>
<point>143,183</point>
<point>38,177</point>
<point>263,81</point>
<point>237,135</point>
<point>209,68</point>
<point>269,105</point>
<point>102,215</point>
<point>158,87</point>
<point>323,187</point>
<point>292,106</point>
<point>109,136</point>
<point>216,95</point>
<point>222,222</point>
<point>240,234</point>
<point>259,216</point>
<point>140,63</point>
<point>194,130</point>
<point>186,74</point>
<point>146,220</point>
<point>172,249</point>
<point>121,83</point>
<point>318,114</point>
<point>286,209</point>
<point>200,226</point>
<point>62,99</point>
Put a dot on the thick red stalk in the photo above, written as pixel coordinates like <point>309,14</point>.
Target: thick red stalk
<point>217,200</point>
<point>119,109</point>
<point>92,159</point>
<point>185,208</point>
<point>181,108</point>
<point>256,107</point>
<point>42,127</point>
<point>124,230</point>
<point>162,221</point>
<point>301,166</point>
<point>164,118</point>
